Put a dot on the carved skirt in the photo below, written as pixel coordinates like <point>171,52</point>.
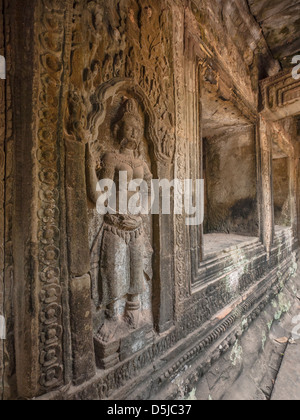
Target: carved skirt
<point>122,258</point>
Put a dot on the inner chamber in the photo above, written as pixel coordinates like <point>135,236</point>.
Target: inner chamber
<point>229,172</point>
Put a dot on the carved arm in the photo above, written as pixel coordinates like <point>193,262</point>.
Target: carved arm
<point>91,176</point>
<point>107,172</point>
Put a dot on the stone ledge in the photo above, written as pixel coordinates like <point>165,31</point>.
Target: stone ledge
<point>281,96</point>
<point>122,382</point>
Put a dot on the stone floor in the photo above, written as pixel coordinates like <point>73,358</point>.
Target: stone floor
<point>264,363</point>
<point>287,384</point>
<point>214,243</point>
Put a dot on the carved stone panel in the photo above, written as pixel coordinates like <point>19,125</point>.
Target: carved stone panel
<point>121,244</point>
<point>281,96</point>
<point>8,344</point>
<point>267,212</point>
<point>126,40</point>
<point>181,167</point>
<point>50,287</point>
<point>2,175</point>
<point>120,304</point>
<point>123,50</point>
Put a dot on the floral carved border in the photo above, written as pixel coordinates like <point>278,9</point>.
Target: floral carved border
<point>52,17</point>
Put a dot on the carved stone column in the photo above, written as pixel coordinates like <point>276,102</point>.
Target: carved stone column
<point>182,254</point>
<point>2,175</point>
<point>24,213</point>
<point>281,99</point>
<point>79,263</point>
<point>293,172</point>
<point>298,197</point>
<point>267,209</point>
<point>43,293</point>
<point>8,289</point>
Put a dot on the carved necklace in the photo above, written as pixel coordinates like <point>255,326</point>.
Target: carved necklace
<point>128,161</point>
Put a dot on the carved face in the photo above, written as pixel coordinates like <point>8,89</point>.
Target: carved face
<point>132,133</point>
<point>131,15</point>
<point>98,20</point>
<point>148,12</point>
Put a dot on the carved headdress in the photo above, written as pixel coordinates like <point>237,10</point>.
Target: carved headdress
<point>130,110</point>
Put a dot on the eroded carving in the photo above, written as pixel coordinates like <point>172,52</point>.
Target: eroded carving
<point>125,248</point>
<point>280,95</point>
<point>2,195</point>
<point>52,35</point>
<point>130,85</point>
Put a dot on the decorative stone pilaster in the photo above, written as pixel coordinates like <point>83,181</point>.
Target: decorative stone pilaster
<point>41,50</point>
<point>2,175</point>
<point>267,210</point>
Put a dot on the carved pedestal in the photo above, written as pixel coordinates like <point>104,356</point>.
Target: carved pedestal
<point>110,354</point>
<point>135,342</point>
<point>107,354</point>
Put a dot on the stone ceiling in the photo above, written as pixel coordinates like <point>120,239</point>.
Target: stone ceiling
<point>219,115</point>
<point>280,22</point>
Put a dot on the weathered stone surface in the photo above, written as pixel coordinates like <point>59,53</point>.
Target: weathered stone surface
<point>144,306</point>
<point>2,196</point>
<point>280,95</point>
<point>287,384</point>
<point>231,201</point>
<point>281,185</point>
<point>81,321</point>
<point>280,23</point>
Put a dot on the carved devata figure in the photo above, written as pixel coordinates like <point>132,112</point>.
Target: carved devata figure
<point>123,238</point>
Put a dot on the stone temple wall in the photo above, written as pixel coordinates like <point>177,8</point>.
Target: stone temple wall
<point>110,307</point>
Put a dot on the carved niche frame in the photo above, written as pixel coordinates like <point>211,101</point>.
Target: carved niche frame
<point>161,168</point>
<point>198,57</point>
